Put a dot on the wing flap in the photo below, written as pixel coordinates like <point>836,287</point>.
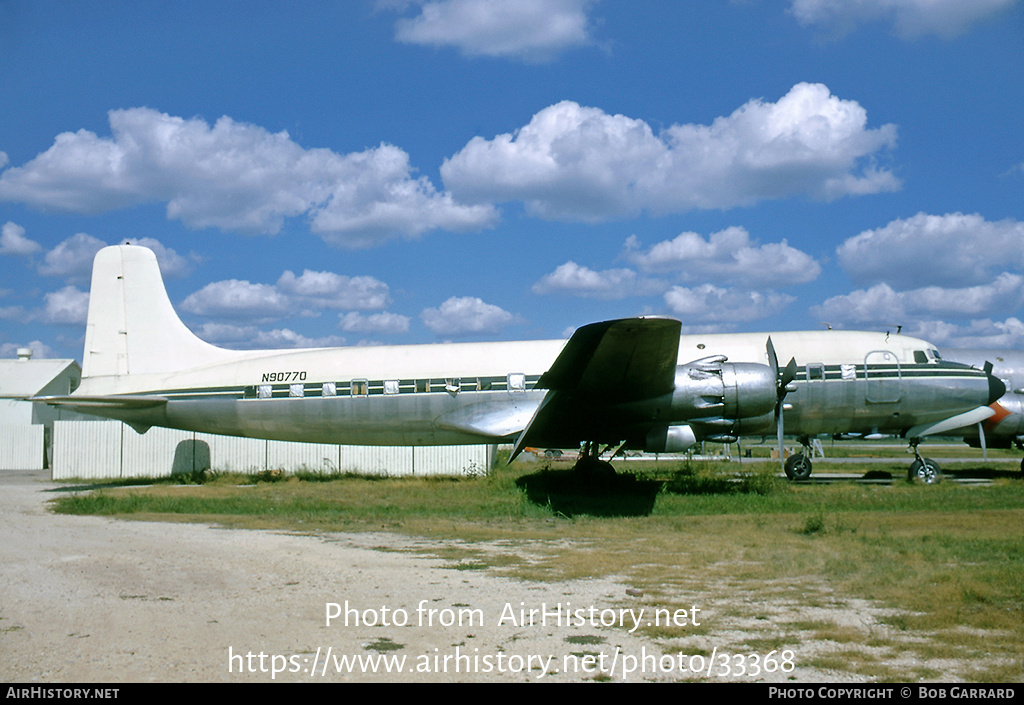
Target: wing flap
<point>495,421</point>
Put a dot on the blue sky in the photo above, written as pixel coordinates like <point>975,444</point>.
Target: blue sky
<point>323,173</point>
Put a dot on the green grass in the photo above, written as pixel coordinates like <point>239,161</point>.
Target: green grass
<point>944,562</point>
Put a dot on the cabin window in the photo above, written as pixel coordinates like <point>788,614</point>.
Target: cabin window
<point>329,389</point>
<point>815,372</point>
<point>264,391</point>
<point>296,390</point>
<point>391,386</point>
<point>422,385</point>
<point>360,388</point>
<point>517,382</point>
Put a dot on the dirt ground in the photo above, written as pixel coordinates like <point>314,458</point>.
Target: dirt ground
<point>87,599</point>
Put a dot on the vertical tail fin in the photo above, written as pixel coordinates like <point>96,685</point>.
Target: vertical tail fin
<point>132,327</point>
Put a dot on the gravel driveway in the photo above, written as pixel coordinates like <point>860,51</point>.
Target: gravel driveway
<point>90,599</point>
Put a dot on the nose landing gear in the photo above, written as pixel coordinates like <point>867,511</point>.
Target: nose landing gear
<point>798,466</point>
<point>923,470</point>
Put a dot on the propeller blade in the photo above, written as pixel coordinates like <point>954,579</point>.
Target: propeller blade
<point>782,378</point>
<point>780,431</point>
<point>787,375</point>
<point>981,436</point>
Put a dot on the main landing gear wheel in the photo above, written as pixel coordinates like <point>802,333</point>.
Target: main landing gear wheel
<point>798,467</point>
<point>593,468</point>
<point>925,470</point>
<point>590,466</point>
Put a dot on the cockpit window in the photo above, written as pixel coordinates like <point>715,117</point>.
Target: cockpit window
<point>919,357</point>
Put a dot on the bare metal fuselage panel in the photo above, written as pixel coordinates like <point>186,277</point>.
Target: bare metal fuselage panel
<point>633,381</point>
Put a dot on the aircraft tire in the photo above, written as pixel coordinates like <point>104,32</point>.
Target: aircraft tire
<point>593,469</point>
<point>925,471</point>
<point>798,467</point>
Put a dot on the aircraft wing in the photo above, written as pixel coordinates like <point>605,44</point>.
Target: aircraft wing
<point>611,362</point>
<point>621,360</point>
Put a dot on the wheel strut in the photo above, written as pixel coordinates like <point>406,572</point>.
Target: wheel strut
<point>922,469</point>
<point>798,466</point>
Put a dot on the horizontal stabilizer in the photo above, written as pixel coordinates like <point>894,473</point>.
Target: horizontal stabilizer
<point>125,401</point>
<point>968,418</point>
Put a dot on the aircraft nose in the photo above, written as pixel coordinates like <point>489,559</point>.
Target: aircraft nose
<point>996,388</point>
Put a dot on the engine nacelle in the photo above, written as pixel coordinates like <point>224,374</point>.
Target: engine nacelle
<point>718,401</point>
<point>1012,424</point>
<point>670,439</point>
<point>728,430</point>
<point>714,388</point>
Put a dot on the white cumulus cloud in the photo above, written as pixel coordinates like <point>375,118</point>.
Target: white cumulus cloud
<point>881,305</point>
<point>708,303</point>
<point>383,322</point>
<point>14,242</point>
<point>330,290</point>
<point>303,295</point>
<point>235,298</point>
<point>68,306</point>
<point>985,333</point>
<point>529,30</point>
<point>579,163</point>
<point>942,250</point>
<point>40,350</point>
<point>467,315</point>
<point>726,256</point>
<point>72,258</point>
<point>236,176</point>
<point>252,338</point>
<point>572,278</point>
<point>910,18</point>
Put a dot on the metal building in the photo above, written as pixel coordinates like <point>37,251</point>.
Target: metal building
<point>25,427</point>
<point>111,449</point>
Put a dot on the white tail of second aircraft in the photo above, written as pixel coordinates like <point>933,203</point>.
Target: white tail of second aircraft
<point>132,327</point>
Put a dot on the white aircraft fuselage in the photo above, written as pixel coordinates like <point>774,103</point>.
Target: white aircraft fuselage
<point>634,381</point>
<point>1006,426</point>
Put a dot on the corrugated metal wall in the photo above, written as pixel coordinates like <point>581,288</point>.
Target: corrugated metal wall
<point>21,447</point>
<point>109,449</point>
